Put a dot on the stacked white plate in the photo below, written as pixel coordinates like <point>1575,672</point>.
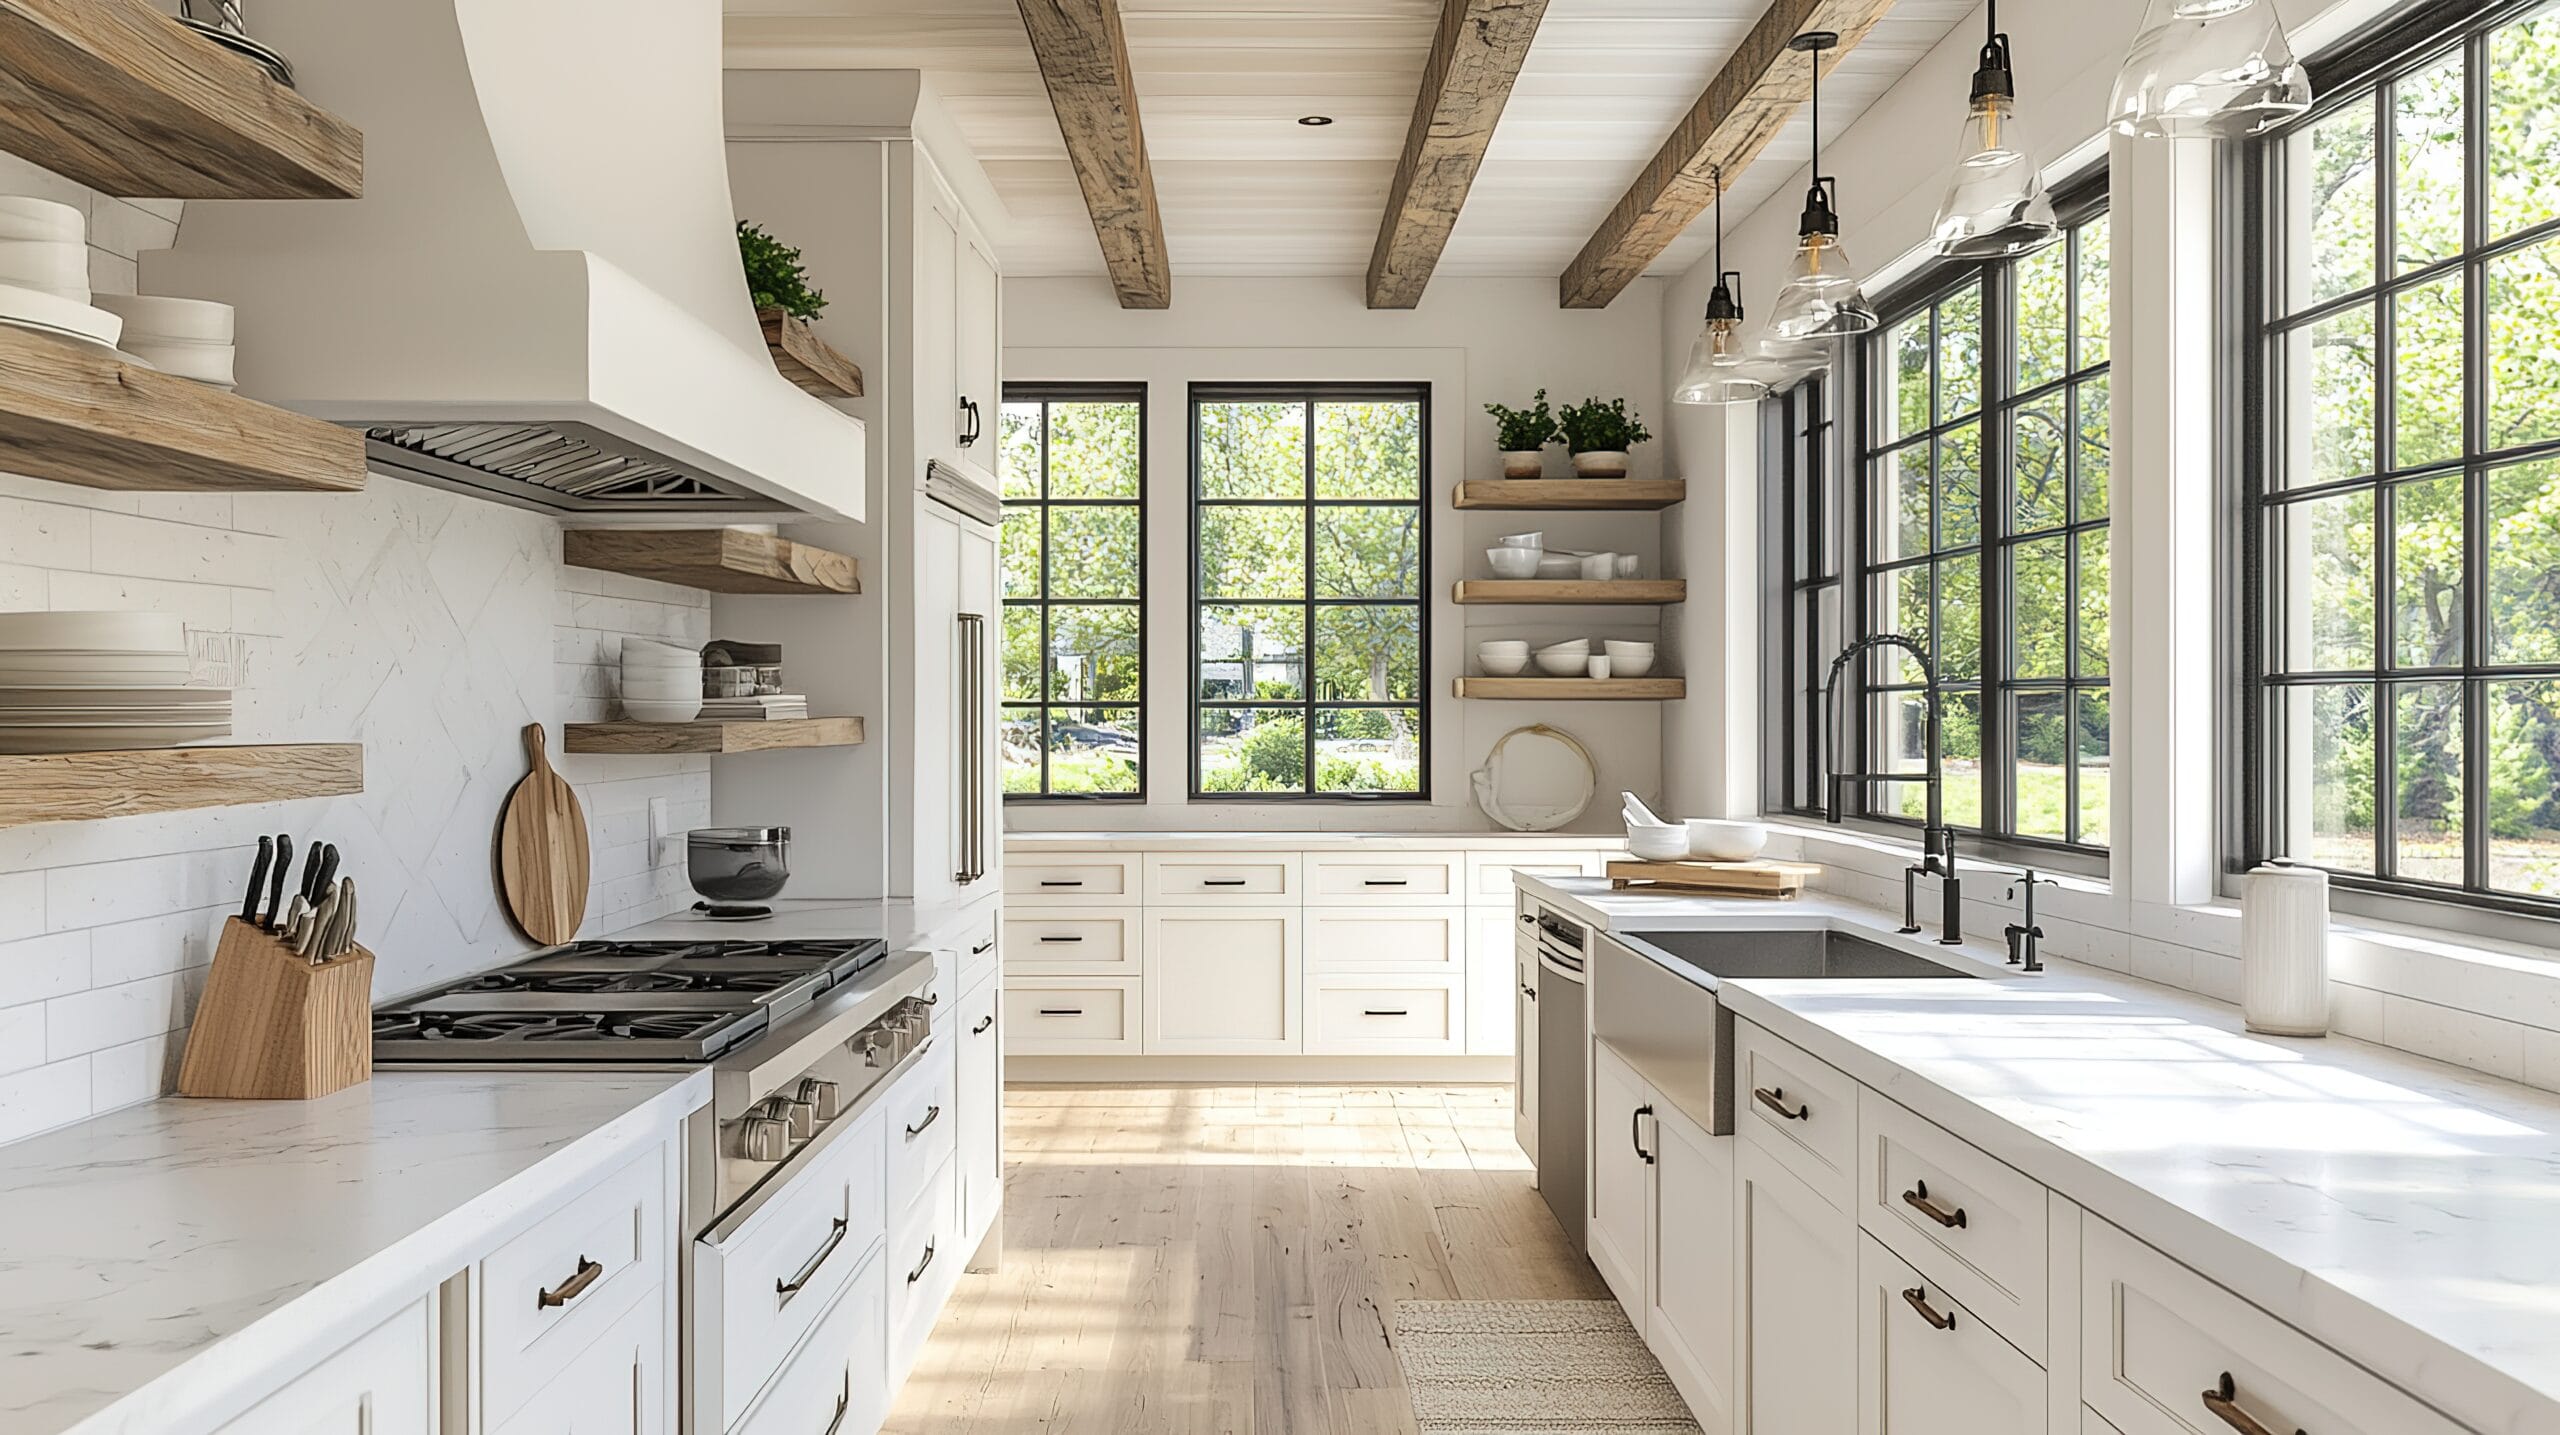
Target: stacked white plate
<point>660,681</point>
<point>187,337</point>
<point>44,246</point>
<point>97,682</point>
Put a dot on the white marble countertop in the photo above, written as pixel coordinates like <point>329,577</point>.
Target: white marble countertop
<point>2401,1211</point>
<point>158,1262</point>
<point>1128,840</point>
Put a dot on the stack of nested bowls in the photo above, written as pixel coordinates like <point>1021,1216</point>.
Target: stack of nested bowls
<point>661,682</point>
<point>190,338</point>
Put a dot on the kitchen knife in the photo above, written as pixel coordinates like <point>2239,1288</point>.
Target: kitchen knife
<point>309,886</point>
<point>316,928</point>
<point>276,881</point>
<point>347,914</point>
<point>297,921</point>
<point>258,879</point>
<point>326,878</point>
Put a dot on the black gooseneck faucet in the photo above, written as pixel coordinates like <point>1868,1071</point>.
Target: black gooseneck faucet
<point>1937,839</point>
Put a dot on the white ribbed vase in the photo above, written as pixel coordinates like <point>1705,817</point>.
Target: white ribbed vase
<point>2284,951</point>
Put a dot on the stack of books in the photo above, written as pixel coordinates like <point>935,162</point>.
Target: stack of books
<point>765,709</point>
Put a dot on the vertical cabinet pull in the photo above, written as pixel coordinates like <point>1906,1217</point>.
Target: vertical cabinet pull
<point>1635,1130</point>
<point>809,1272</point>
<point>972,423</point>
<point>917,1274</point>
<point>973,735</point>
<point>2224,1402</point>
<point>844,1403</point>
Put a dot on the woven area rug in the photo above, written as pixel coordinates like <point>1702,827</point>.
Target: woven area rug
<point>1502,1367</point>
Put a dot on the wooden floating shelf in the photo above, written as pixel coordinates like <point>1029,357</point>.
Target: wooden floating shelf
<point>122,98</point>
<point>804,358</point>
<point>630,739</point>
<point>1570,495</point>
<point>1572,590</point>
<point>71,414</point>
<point>1576,690</point>
<point>82,786</point>
<point>718,560</point>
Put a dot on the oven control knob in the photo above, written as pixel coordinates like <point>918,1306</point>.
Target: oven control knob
<point>803,1120</point>
<point>823,1096</point>
<point>763,1138</point>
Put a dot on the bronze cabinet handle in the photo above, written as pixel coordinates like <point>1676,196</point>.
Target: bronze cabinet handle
<point>981,949</point>
<point>1917,1297</point>
<point>2224,1401</point>
<point>588,1273</point>
<point>980,1029</point>
<point>1917,1198</point>
<point>1775,1098</point>
<point>917,1274</point>
<point>1635,1131</point>
<point>844,1403</point>
<point>932,1114</point>
<point>809,1272</point>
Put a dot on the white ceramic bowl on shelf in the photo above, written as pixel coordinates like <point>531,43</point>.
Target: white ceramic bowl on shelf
<point>204,363</point>
<point>1564,665</point>
<point>1502,659</point>
<point>57,266</point>
<point>663,710</point>
<point>649,652</point>
<point>1557,566</point>
<point>166,319</point>
<point>23,216</point>
<point>1580,647</point>
<point>1629,660</point>
<point>1522,540</point>
<point>1513,562</point>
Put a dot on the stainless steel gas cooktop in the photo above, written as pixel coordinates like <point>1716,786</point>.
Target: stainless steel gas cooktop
<point>618,1002</point>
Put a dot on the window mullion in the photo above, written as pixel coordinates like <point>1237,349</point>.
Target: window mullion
<point>1998,816</point>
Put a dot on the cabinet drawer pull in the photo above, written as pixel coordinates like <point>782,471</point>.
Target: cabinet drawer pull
<point>809,1272</point>
<point>1387,882</point>
<point>1061,882</point>
<point>917,1274</point>
<point>1775,1098</point>
<point>1635,1131</point>
<point>1917,1198</point>
<point>984,1023</point>
<point>1528,921</point>
<point>2224,1401</point>
<point>1385,1011</point>
<point>1222,881</point>
<point>932,1114</point>
<point>1917,1298</point>
<point>844,1403</point>
<point>588,1273</point>
<point>1062,1011</point>
<point>1062,939</point>
<point>982,948</point>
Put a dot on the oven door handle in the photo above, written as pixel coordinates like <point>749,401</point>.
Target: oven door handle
<point>809,1272</point>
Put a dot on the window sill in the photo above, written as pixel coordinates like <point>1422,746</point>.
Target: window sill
<point>1904,851</point>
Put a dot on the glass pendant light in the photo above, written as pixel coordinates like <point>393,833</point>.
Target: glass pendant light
<point>2209,69</point>
<point>1719,368</point>
<point>1996,205</point>
<point>1821,298</point>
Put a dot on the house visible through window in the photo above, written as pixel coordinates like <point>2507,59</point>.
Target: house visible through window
<point>2402,561</point>
<point>1309,626</point>
<point>1074,464</point>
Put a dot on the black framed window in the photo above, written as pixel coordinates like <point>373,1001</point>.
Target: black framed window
<point>2400,446</point>
<point>1982,495</point>
<point>1074,573</point>
<point>1311,537</point>
<point>1796,444</point>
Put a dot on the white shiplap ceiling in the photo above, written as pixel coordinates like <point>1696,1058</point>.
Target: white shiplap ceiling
<point>1246,190</point>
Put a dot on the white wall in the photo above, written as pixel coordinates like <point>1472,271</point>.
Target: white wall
<point>428,627</point>
<point>1476,341</point>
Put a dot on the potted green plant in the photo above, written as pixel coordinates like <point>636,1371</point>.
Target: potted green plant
<point>1523,435</point>
<point>775,277</point>
<point>1600,435</point>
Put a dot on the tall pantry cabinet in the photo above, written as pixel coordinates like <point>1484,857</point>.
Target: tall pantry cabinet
<point>863,174</point>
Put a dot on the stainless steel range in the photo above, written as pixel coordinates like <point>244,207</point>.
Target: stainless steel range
<point>797,1034</point>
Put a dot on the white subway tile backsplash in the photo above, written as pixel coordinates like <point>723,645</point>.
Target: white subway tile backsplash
<point>39,968</point>
<point>21,1038</point>
<point>44,1097</point>
<point>112,1016</point>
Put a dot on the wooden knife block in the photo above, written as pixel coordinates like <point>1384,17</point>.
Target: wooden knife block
<point>274,1027</point>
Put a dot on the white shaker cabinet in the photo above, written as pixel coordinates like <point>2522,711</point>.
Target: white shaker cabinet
<point>1661,1229</point>
<point>1524,1056</point>
<point>981,1092</point>
<point>977,323</point>
<point>1928,1366</point>
<point>1795,1302</point>
<point>614,1387</point>
<point>1621,1175</point>
<point>382,1384</point>
<point>1224,981</point>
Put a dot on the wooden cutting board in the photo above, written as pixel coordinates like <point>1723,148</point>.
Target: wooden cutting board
<point>542,851</point>
<point>1763,878</point>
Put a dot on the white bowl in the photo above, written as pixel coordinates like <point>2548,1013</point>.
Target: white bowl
<point>1663,843</point>
<point>1502,648</point>
<point>1579,647</point>
<point>1503,665</point>
<point>53,264</point>
<point>92,632</point>
<point>1599,567</point>
<point>204,363</point>
<point>1630,667</point>
<point>1721,840</point>
<point>1513,562</point>
<point>669,710</point>
<point>23,216</point>
<point>1563,665</point>
<point>164,319</point>
<point>651,690</point>
<point>1557,566</point>
<point>1522,540</point>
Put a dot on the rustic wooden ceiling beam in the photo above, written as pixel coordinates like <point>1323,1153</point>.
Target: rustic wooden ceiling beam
<point>1084,60</point>
<point>1475,59</point>
<point>1741,111</point>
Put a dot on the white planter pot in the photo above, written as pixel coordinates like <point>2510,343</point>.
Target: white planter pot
<point>1523,463</point>
<point>1601,465</point>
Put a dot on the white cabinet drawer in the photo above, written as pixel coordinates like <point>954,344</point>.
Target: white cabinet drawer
<point>921,1112</point>
<point>1065,1016</point>
<point>2157,1339</point>
<point>1929,1366</point>
<point>1802,1109</point>
<point>1081,877</point>
<point>550,1291</point>
<point>776,1273</point>
<point>1399,1016</point>
<point>1971,1223</point>
<point>383,1383</point>
<point>1369,940</point>
<point>839,1380</point>
<point>1489,873</point>
<point>1206,880</point>
<point>1337,879</point>
<point>914,1267</point>
<point>618,1385</point>
<point>977,954</point>
<point>1043,941</point>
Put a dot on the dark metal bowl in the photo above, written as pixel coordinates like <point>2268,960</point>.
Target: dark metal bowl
<point>738,864</point>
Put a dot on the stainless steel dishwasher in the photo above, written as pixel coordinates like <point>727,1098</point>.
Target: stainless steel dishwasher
<point>1564,1071</point>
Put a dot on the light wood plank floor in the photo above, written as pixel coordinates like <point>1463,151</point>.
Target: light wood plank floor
<point>1225,1260</point>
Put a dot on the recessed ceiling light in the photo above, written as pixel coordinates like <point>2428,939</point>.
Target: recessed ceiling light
<point>1316,122</point>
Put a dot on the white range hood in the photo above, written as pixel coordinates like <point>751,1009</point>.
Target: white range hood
<point>539,296</point>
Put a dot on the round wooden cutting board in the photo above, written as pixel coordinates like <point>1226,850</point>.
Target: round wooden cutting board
<point>542,851</point>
